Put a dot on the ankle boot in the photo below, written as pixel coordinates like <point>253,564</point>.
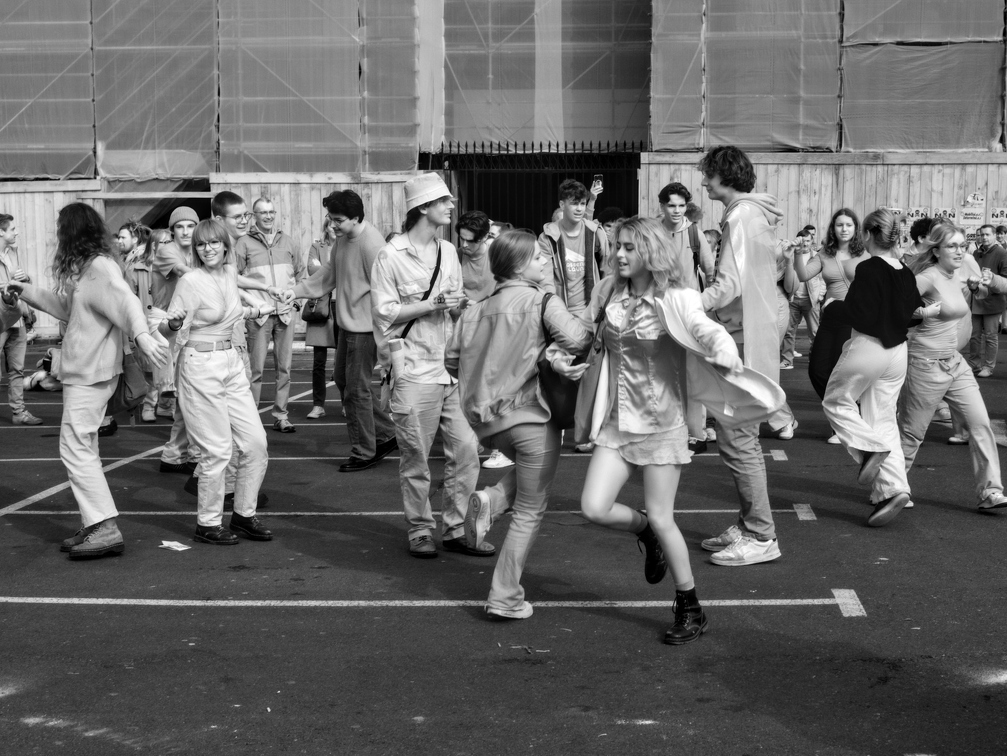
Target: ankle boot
<point>655,567</point>
<point>690,619</point>
<point>104,539</point>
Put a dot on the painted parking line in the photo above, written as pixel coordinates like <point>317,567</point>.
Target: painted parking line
<point>382,513</point>
<point>119,463</point>
<point>779,455</point>
<point>330,457</point>
<point>846,599</point>
<point>804,512</point>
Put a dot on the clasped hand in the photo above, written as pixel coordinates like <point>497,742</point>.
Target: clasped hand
<point>280,295</point>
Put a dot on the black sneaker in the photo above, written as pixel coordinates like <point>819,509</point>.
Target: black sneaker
<point>108,430</point>
<point>690,623</point>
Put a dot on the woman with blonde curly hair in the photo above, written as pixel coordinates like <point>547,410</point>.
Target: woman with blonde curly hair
<point>644,411</point>
<point>946,276</point>
<point>99,308</point>
<point>881,302</point>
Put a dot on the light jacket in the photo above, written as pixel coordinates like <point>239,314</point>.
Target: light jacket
<point>9,262</point>
<point>550,241</point>
<point>278,264</point>
<point>495,350</point>
<point>99,309</point>
<point>743,295</point>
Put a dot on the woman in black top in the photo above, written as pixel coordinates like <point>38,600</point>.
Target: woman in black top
<point>881,302</point>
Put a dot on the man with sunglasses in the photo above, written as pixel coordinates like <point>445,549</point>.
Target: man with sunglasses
<point>271,257</point>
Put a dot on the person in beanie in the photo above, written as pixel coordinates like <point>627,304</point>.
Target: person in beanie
<point>416,296</point>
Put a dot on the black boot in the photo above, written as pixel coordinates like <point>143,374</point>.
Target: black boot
<point>655,567</point>
<point>690,619</point>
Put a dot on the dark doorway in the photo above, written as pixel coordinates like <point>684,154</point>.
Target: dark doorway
<point>521,188</point>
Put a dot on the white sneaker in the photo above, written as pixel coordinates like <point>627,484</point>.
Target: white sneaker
<point>798,354</point>
<point>746,550</point>
<point>994,501</point>
<point>787,431</point>
<point>711,435</point>
<point>522,612</point>
<point>147,415</point>
<point>786,365</point>
<point>721,542</point>
<point>478,519</point>
<point>316,412</point>
<point>834,440</point>
<point>497,460</point>
<point>961,440</point>
<point>942,415</point>
<point>584,448</point>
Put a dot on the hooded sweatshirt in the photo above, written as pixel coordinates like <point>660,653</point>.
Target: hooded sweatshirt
<point>743,295</point>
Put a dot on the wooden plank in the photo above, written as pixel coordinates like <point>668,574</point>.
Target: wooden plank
<point>309,178</point>
<point>32,187</point>
<point>840,158</point>
<point>144,195</point>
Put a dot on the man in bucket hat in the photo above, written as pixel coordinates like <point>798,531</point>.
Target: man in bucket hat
<point>416,295</point>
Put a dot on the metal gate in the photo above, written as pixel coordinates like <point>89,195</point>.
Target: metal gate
<point>520,184</point>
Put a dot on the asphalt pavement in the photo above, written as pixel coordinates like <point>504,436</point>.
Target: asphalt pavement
<point>330,639</point>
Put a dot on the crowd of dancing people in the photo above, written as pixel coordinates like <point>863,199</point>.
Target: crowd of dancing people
<point>640,340</point>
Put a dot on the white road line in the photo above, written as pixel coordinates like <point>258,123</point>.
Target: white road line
<point>848,602</point>
<point>999,431</point>
<point>405,604</point>
<point>330,457</point>
<point>384,513</point>
<point>779,455</point>
<point>63,486</point>
<point>804,512</point>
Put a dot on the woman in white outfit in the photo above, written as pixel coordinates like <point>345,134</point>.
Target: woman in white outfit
<point>937,369</point>
<point>99,308</point>
<point>644,424</point>
<point>213,390</point>
<point>880,303</point>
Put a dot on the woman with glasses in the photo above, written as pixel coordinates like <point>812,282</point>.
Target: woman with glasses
<point>880,304</point>
<point>93,299</point>
<point>945,277</point>
<point>213,389</point>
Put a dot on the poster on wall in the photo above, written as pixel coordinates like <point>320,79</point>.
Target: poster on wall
<point>998,216</point>
<point>915,213</point>
<point>971,218</point>
<point>904,223</point>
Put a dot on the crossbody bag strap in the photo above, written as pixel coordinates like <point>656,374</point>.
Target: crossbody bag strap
<point>545,301</point>
<point>426,295</point>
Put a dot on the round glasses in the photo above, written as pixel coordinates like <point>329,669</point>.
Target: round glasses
<point>213,244</point>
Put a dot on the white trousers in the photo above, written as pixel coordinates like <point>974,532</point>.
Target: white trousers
<point>83,410</point>
<point>869,373</point>
<point>221,419</point>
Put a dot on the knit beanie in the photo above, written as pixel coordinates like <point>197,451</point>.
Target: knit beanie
<point>180,214</point>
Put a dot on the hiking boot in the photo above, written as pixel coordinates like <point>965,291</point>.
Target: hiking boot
<point>690,622</point>
<point>103,539</point>
<point>77,538</point>
<point>250,527</point>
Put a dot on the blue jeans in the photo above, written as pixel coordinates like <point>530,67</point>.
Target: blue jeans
<point>366,422</point>
<point>13,343</point>
<point>282,335</point>
<point>535,448</point>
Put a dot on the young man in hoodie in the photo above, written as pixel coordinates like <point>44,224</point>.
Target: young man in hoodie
<point>743,299</point>
<point>269,256</point>
<point>575,248</point>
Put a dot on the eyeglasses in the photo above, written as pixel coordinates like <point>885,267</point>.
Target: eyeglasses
<point>240,218</point>
<point>337,220</point>
<point>213,244</point>
<point>265,213</point>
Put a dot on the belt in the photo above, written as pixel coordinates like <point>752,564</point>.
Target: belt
<point>207,346</point>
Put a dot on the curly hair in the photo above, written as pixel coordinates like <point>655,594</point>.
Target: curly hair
<point>731,165</point>
<point>81,236</point>
<point>654,246</point>
<point>831,246</point>
<point>941,231</point>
